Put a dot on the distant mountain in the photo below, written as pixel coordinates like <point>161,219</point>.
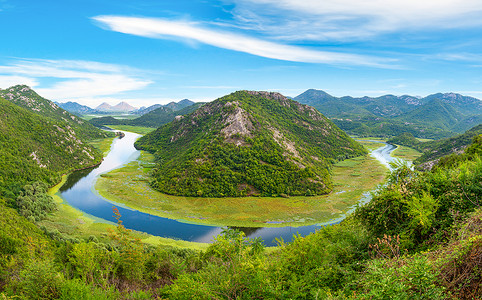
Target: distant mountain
<point>435,113</point>
<point>248,143</point>
<point>27,98</point>
<point>435,116</point>
<point>173,106</point>
<point>144,110</point>
<point>122,107</point>
<point>179,105</point>
<point>163,115</point>
<point>154,118</point>
<point>77,109</point>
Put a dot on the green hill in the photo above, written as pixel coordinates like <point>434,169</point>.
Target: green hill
<point>436,114</point>
<point>37,148</point>
<point>434,150</point>
<point>248,143</point>
<point>27,98</point>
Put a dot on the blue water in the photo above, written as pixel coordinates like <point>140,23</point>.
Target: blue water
<point>79,192</point>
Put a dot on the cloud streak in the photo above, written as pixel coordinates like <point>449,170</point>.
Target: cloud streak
<point>72,79</point>
<point>164,29</point>
<point>352,19</point>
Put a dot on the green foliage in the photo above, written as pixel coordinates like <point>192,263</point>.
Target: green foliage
<point>34,203</point>
<point>417,205</point>
<point>198,158</point>
<point>23,96</point>
<point>407,278</point>
<point>131,251</point>
<point>421,209</point>
<point>234,268</point>
<point>36,148</point>
<point>39,280</point>
<point>79,290</point>
<point>328,260</point>
<point>460,260</point>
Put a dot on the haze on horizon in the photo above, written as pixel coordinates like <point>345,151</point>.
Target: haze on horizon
<point>156,52</point>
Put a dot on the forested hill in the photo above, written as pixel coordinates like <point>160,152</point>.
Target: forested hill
<point>27,98</point>
<point>434,150</point>
<point>37,148</point>
<point>435,116</point>
<point>248,143</point>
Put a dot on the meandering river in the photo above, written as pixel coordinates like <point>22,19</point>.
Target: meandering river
<point>79,192</point>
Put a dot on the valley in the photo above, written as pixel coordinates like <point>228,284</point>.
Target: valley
<point>128,186</point>
<point>177,187</point>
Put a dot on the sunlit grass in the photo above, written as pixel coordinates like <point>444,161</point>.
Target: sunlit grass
<point>135,129</point>
<point>102,144</point>
<point>406,153</point>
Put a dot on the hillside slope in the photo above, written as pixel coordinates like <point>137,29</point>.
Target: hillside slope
<point>27,98</point>
<point>36,148</point>
<point>248,143</point>
<point>434,150</point>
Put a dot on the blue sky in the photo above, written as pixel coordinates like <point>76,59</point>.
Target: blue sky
<point>147,52</point>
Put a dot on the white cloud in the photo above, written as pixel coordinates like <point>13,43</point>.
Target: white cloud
<point>352,19</point>
<point>162,29</point>
<point>72,79</point>
<point>11,80</point>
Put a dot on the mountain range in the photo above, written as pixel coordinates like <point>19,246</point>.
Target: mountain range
<point>122,107</point>
<point>434,116</point>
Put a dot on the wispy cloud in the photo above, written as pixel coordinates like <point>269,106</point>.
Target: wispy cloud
<point>10,80</point>
<point>163,29</point>
<point>72,79</point>
<point>352,19</point>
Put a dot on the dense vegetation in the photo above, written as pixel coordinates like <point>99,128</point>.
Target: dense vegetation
<point>155,118</point>
<point>37,148</point>
<point>435,116</point>
<point>248,143</point>
<point>23,96</point>
<point>434,150</point>
<point>419,238</point>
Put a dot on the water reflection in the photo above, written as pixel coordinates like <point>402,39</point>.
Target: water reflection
<point>79,192</point>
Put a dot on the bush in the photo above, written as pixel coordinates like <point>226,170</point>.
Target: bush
<point>405,278</point>
<point>39,280</point>
<point>79,290</point>
<point>34,203</point>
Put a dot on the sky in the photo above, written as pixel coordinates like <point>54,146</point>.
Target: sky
<point>148,52</point>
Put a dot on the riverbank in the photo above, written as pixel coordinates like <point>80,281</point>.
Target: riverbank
<point>76,224</point>
<point>352,178</point>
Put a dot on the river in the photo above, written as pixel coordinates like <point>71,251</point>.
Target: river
<point>79,192</point>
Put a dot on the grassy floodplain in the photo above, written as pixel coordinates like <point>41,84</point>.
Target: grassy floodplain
<point>135,129</point>
<point>406,153</point>
<point>129,185</point>
<point>76,224</point>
